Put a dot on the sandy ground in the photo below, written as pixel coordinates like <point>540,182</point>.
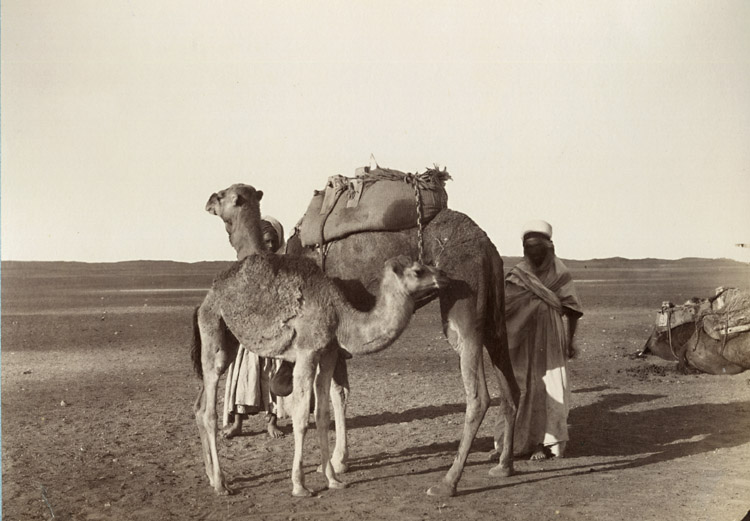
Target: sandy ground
<point>97,423</point>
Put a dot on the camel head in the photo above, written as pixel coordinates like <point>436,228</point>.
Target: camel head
<point>418,281</point>
<point>228,202</point>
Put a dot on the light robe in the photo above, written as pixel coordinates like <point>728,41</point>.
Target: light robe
<point>247,388</point>
<point>535,301</point>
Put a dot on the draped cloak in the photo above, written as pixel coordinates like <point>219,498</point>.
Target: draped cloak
<point>248,387</point>
<point>536,299</point>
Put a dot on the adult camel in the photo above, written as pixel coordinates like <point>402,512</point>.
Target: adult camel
<point>285,307</point>
<point>472,308</point>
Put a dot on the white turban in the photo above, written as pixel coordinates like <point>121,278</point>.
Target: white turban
<point>537,226</point>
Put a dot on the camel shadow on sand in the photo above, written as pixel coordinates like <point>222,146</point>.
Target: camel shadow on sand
<point>641,438</point>
<point>598,430</point>
<point>428,412</point>
<point>603,430</point>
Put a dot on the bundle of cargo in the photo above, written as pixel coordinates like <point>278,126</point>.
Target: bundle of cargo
<point>377,199</point>
<point>711,335</point>
<point>729,314</point>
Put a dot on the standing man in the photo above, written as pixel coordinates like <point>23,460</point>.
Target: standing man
<point>248,388</point>
<point>539,293</point>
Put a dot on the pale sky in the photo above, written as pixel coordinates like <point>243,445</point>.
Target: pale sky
<point>625,124</point>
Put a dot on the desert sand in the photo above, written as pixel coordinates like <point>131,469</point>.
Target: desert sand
<point>97,422</point>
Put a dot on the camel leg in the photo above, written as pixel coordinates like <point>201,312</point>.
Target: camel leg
<point>339,395</point>
<point>322,415</point>
<point>477,403</point>
<point>199,409</point>
<point>509,397</point>
<point>304,373</point>
<point>340,457</point>
<point>207,425</point>
<point>213,363</point>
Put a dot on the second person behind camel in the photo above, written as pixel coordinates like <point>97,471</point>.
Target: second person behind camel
<point>248,389</point>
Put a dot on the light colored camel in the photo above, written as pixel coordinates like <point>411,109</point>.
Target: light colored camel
<point>472,308</point>
<point>238,207</point>
<point>285,307</point>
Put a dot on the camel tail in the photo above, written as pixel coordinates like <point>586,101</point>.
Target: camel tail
<point>496,334</point>
<point>195,349</point>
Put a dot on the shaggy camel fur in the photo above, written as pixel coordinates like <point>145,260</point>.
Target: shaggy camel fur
<point>238,207</point>
<point>472,308</point>
<point>285,307</point>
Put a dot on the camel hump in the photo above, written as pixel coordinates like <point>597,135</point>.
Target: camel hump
<point>262,294</point>
<point>378,199</point>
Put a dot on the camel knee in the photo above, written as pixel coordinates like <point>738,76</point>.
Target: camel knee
<point>339,393</point>
<point>322,409</point>
<point>198,404</point>
<point>509,405</point>
<point>477,408</point>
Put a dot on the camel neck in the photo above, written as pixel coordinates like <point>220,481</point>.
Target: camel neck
<point>245,234</point>
<point>372,331</point>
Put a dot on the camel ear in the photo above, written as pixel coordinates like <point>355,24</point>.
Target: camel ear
<point>259,194</point>
<point>235,198</point>
<point>395,266</point>
<point>404,261</point>
<point>399,264</point>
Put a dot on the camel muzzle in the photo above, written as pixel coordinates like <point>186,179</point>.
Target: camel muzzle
<point>213,201</point>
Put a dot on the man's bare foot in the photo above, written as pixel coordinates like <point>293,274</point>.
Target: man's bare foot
<point>540,453</point>
<point>273,429</point>
<point>235,429</point>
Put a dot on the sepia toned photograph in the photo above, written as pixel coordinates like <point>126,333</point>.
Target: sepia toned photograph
<point>300,261</point>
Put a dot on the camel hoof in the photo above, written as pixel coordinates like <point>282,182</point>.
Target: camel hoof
<point>223,490</point>
<point>499,471</point>
<point>302,492</point>
<point>337,485</point>
<point>340,467</point>
<point>219,486</point>
<point>442,490</point>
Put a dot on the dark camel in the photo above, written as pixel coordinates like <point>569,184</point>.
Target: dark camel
<point>472,307</point>
<point>692,348</point>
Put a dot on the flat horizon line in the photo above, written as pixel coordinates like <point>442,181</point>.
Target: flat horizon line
<point>564,259</point>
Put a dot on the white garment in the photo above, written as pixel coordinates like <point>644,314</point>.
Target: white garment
<point>247,389</point>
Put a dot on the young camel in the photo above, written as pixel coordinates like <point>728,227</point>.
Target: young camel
<point>285,307</point>
<point>238,207</point>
